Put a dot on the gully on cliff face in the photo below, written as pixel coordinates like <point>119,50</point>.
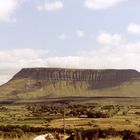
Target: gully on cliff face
<point>95,78</point>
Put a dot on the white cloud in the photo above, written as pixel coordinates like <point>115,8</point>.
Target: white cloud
<point>13,60</point>
<point>62,36</point>
<point>134,28</point>
<point>80,33</point>
<point>124,56</point>
<point>109,39</point>
<point>51,6</point>
<point>18,54</point>
<point>101,4</point>
<point>8,9</point>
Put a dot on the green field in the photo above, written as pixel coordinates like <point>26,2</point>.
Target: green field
<point>108,114</point>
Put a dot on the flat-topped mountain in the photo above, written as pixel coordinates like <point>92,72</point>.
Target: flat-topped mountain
<point>76,74</point>
<point>97,78</point>
<point>35,83</point>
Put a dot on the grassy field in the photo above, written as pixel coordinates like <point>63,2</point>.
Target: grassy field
<point>117,122</point>
<point>21,138</point>
<point>127,115</point>
<point>31,138</point>
<point>121,116</point>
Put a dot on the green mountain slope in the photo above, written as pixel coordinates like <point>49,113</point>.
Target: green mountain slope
<point>16,90</point>
<point>23,86</point>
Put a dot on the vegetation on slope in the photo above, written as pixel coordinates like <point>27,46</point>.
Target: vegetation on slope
<point>35,89</point>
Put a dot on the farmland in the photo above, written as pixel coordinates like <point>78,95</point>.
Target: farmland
<point>112,117</point>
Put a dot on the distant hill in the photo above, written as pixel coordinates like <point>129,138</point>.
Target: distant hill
<point>43,83</point>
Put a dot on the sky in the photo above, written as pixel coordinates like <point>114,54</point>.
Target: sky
<point>92,34</point>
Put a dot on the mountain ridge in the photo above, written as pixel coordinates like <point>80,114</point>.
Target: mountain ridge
<point>73,74</point>
<point>36,83</point>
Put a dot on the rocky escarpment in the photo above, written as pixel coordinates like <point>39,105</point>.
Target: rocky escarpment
<point>94,78</point>
<point>44,83</point>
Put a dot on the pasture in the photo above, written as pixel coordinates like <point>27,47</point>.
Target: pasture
<point>108,115</point>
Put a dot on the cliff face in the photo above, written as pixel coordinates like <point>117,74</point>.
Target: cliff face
<point>94,78</point>
<point>44,83</point>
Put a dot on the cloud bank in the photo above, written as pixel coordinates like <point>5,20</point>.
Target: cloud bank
<point>8,9</point>
<point>134,28</point>
<point>101,4</point>
<point>113,53</point>
<point>51,6</point>
<point>12,60</point>
<point>109,39</point>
